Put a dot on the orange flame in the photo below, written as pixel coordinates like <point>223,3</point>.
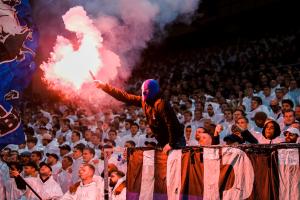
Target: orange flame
<point>70,68</point>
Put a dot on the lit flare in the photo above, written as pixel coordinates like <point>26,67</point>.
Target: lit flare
<point>68,67</point>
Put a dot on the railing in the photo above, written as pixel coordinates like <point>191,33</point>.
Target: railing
<point>215,172</point>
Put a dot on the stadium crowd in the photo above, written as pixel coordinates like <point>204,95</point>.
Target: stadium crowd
<point>231,94</point>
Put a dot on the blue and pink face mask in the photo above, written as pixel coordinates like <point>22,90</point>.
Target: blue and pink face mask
<point>150,90</point>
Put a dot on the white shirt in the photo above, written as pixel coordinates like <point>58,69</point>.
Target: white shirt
<point>55,169</point>
<point>247,103</point>
<point>122,195</point>
<point>261,108</point>
<point>75,169</point>
<point>67,134</point>
<point>216,118</point>
<point>122,166</point>
<point>266,100</point>
<point>134,138</point>
<point>99,164</point>
<point>283,126</point>
<point>118,142</point>
<point>11,190</point>
<point>35,148</point>
<point>47,190</point>
<point>50,189</point>
<point>143,139</point>
<point>84,192</point>
<point>275,116</point>
<point>2,189</point>
<point>13,147</point>
<point>191,142</point>
<point>198,123</point>
<point>64,178</point>
<point>4,177</point>
<point>124,133</point>
<point>262,140</point>
<point>35,184</point>
<point>52,147</point>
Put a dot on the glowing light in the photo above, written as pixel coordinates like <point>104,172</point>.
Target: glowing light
<point>67,67</point>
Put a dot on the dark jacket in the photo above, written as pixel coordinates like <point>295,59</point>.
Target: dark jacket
<point>159,114</point>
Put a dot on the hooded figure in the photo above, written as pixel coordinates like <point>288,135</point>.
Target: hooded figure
<point>270,133</point>
<point>158,111</point>
<point>150,90</point>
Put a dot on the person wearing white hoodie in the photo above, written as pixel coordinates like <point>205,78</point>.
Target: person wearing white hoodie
<point>118,183</point>
<point>270,133</point>
<point>44,185</point>
<point>87,188</point>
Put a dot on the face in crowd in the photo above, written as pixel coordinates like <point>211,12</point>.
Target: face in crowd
<point>289,117</point>
<point>76,153</point>
<point>270,130</point>
<point>205,139</point>
<point>45,171</point>
<point>87,156</point>
<point>86,172</point>
<point>188,132</point>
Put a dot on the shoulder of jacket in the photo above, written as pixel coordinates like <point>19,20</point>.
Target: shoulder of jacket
<point>160,102</point>
<point>120,188</point>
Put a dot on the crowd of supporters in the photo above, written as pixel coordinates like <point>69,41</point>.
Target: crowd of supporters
<point>231,94</point>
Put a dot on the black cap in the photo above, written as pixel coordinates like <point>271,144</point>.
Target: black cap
<point>66,147</point>
<point>31,164</point>
<point>25,153</point>
<point>45,164</point>
<point>233,138</point>
<point>53,155</point>
<point>150,143</point>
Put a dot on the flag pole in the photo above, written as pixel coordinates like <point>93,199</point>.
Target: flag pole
<point>92,75</point>
<point>106,195</point>
<point>29,186</point>
<point>22,180</point>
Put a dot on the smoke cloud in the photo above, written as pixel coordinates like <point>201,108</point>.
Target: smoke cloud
<point>126,27</point>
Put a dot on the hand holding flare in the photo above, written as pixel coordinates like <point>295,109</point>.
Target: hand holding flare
<point>99,84</point>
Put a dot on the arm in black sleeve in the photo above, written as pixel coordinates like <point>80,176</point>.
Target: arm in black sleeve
<point>216,140</point>
<point>21,185</point>
<point>249,137</point>
<point>123,96</point>
<point>175,129</point>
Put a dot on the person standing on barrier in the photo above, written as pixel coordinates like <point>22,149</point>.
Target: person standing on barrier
<point>159,114</point>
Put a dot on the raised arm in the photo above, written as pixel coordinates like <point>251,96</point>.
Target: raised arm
<point>119,94</point>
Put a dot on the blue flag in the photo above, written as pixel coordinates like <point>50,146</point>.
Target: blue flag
<point>18,44</point>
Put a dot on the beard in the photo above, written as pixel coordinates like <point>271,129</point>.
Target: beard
<point>112,184</point>
<point>290,140</point>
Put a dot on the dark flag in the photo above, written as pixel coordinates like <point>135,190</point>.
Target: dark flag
<point>18,44</point>
<point>135,168</point>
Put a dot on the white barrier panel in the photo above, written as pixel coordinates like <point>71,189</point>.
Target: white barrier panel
<point>219,172</point>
